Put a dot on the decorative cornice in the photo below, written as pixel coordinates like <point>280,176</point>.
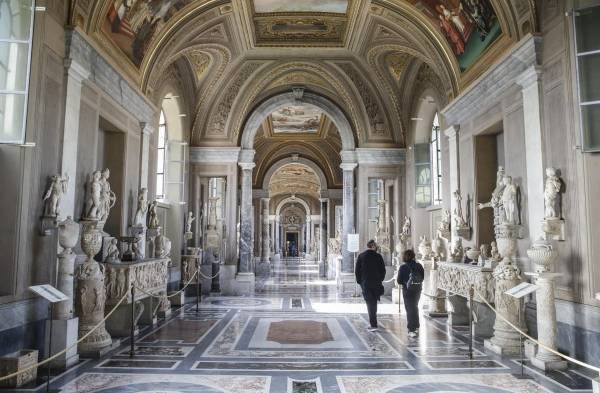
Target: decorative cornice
<point>214,155</point>
<point>531,75</point>
<point>387,156</point>
<point>452,131</point>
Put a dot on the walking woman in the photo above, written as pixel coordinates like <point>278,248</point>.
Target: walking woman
<point>410,277</point>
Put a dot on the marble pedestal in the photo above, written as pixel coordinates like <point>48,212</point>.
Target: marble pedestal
<point>119,323</point>
<point>178,300</point>
<point>458,311</point>
<point>596,385</point>
<point>483,325</point>
<point>244,284</point>
<point>390,272</point>
<point>149,312</point>
<point>396,296</point>
<point>227,278</point>
<point>64,334</point>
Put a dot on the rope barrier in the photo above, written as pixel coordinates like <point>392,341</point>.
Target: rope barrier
<point>568,358</point>
<point>70,346</point>
<point>210,278</point>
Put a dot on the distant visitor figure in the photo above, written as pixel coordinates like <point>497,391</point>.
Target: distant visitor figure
<point>410,276</point>
<point>370,273</point>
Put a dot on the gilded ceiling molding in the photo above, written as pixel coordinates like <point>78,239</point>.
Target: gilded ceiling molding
<point>279,69</point>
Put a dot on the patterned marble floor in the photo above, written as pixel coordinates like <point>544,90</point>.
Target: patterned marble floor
<point>303,343</point>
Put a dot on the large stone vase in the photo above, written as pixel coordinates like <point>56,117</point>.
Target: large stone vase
<point>68,236</point>
<point>91,293</point>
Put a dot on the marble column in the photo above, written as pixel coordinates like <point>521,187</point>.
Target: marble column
<point>75,74</point>
<point>323,240</point>
<point>453,151</point>
<point>266,236</point>
<point>246,220</point>
<point>146,133</point>
<point>308,235</point>
<point>345,276</point>
<point>543,256</point>
<point>530,82</point>
<point>277,236</point>
<point>197,206</point>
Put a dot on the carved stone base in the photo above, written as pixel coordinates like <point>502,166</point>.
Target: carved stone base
<point>346,284</point>
<point>64,334</point>
<point>244,284</point>
<point>547,365</point>
<point>178,300</point>
<point>100,352</point>
<point>119,324</point>
<point>483,325</point>
<point>458,311</point>
<point>555,229</point>
<point>503,343</point>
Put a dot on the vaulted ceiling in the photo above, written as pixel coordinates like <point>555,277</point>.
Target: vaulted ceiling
<point>370,57</point>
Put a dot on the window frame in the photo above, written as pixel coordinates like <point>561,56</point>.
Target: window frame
<point>581,104</point>
<point>22,134</point>
<point>162,124</point>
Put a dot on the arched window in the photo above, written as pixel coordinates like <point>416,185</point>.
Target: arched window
<point>161,158</point>
<point>436,162</point>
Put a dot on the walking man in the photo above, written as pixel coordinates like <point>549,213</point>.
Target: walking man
<point>370,273</point>
<point>410,276</point>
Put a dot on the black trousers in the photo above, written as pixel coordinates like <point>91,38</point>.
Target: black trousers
<point>411,305</point>
<point>372,309</point>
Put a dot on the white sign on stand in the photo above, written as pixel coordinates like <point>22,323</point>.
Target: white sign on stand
<point>49,293</point>
<point>353,242</point>
<point>522,290</point>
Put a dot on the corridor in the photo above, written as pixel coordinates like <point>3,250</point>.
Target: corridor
<point>300,337</point>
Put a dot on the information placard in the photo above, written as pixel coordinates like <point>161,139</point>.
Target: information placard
<point>49,293</point>
<point>353,242</point>
<point>522,290</point>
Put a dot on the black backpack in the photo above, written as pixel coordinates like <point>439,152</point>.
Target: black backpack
<point>415,280</point>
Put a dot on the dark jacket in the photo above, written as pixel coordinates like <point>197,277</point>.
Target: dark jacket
<point>405,269</point>
<point>370,273</point>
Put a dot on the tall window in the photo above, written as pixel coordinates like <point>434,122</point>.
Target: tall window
<point>587,31</point>
<point>436,162</point>
<point>16,29</point>
<point>161,158</point>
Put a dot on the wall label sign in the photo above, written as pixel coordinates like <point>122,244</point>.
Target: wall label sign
<point>49,293</point>
<point>522,290</point>
<point>353,242</point>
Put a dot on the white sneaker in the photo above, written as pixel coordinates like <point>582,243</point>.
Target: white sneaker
<point>373,329</point>
<point>412,334</point>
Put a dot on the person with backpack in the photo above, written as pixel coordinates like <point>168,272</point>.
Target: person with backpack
<point>370,273</point>
<point>410,276</point>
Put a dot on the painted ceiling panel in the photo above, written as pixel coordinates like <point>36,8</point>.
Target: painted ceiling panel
<point>267,6</point>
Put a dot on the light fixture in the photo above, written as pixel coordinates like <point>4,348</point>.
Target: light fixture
<point>182,115</point>
<point>416,118</point>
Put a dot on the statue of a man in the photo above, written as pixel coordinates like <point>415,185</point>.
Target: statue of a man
<point>153,216</point>
<point>58,186</point>
<point>406,226</point>
<point>552,194</point>
<point>497,193</point>
<point>93,203</point>
<point>509,201</point>
<point>188,222</point>
<point>108,197</point>
<point>459,220</point>
<point>142,208</point>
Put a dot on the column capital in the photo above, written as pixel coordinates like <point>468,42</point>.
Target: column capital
<point>146,130</point>
<point>529,76</point>
<point>324,200</point>
<point>247,166</point>
<point>265,199</point>
<point>348,166</point>
<point>75,70</point>
<point>452,131</point>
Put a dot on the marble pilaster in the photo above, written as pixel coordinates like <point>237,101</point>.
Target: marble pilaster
<point>75,74</point>
<point>266,236</point>
<point>453,151</point>
<point>348,215</point>
<point>246,220</point>
<point>308,236</point>
<point>324,236</point>
<point>532,92</point>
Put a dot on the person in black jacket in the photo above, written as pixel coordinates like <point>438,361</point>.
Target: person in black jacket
<point>370,273</point>
<point>412,293</point>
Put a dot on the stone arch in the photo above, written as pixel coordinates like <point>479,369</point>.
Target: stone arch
<point>289,200</point>
<point>294,160</point>
<point>426,107</point>
<point>260,113</point>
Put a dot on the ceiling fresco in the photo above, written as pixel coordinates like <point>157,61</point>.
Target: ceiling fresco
<point>296,119</point>
<point>470,26</point>
<point>295,179</point>
<point>269,6</point>
<point>131,24</point>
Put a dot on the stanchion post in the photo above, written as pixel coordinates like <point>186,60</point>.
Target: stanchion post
<point>198,288</point>
<point>132,333</point>
<point>471,294</point>
<point>49,366</point>
<point>521,342</point>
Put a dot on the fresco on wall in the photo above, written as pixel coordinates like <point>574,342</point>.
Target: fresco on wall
<point>335,6</point>
<point>294,119</point>
<point>132,24</point>
<point>470,26</point>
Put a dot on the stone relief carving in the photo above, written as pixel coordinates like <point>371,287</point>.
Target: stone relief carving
<point>58,186</point>
<point>552,197</point>
<point>459,278</point>
<point>153,221</point>
<point>142,208</point>
<point>112,254</point>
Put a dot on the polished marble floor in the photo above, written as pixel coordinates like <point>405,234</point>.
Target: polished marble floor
<point>297,336</point>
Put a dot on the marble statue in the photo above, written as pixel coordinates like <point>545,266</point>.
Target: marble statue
<point>483,254</point>
<point>552,195</point>
<point>153,222</point>
<point>494,253</point>
<point>425,251</point>
<point>443,228</point>
<point>93,202</point>
<point>438,248</point>
<point>142,208</point>
<point>459,220</point>
<point>497,193</point>
<point>163,246</point>
<point>112,255</point>
<point>189,221</point>
<point>108,197</point>
<point>56,189</point>
<point>509,201</point>
<point>406,227</point>
<point>457,252</point>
